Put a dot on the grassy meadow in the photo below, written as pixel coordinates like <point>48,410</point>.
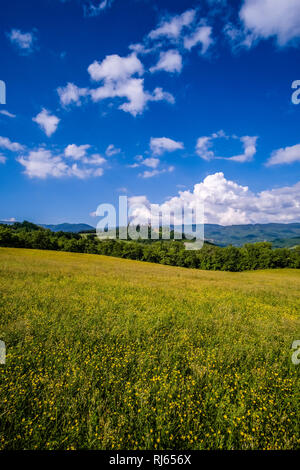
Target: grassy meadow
<point>105,353</point>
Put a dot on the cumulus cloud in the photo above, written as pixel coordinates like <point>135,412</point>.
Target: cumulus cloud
<point>24,42</point>
<point>272,18</point>
<point>76,151</point>
<point>228,203</point>
<point>43,163</point>
<point>169,61</point>
<point>202,35</point>
<point>115,68</point>
<point>7,144</point>
<point>204,147</point>
<point>285,155</point>
<point>160,145</point>
<point>47,122</point>
<point>117,74</point>
<point>172,27</point>
<point>71,94</point>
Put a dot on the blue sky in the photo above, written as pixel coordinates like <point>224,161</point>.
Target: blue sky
<point>166,100</point>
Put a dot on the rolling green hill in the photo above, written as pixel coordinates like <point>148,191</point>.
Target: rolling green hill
<point>107,353</point>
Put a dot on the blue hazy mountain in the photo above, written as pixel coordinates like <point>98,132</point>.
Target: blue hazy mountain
<point>74,228</point>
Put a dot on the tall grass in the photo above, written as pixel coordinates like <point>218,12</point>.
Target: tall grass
<point>105,353</point>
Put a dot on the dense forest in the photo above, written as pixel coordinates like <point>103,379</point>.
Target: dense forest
<point>249,257</point>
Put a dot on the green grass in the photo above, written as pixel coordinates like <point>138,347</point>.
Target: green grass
<point>105,353</point>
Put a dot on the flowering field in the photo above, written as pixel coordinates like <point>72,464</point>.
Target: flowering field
<point>105,353</point>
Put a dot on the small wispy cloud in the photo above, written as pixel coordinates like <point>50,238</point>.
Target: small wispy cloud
<point>94,9</point>
<point>23,41</point>
<point>7,144</point>
<point>160,145</point>
<point>7,113</point>
<point>112,150</point>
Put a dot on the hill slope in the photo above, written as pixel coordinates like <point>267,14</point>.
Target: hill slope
<point>105,353</point>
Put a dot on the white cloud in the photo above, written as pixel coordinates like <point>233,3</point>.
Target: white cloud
<point>285,155</point>
<point>272,18</point>
<point>170,61</point>
<point>71,94</point>
<point>116,73</point>
<point>120,77</point>
<point>173,27</point>
<point>139,48</point>
<point>228,203</point>
<point>204,147</point>
<point>238,37</point>
<point>112,150</point>
<point>7,113</point>
<point>160,95</point>
<point>202,35</point>
<point>83,172</point>
<point>134,165</point>
<point>2,158</point>
<point>76,151</point>
<point>149,174</point>
<point>94,159</point>
<point>115,68</point>
<point>132,89</point>
<point>43,163</point>
<point>91,10</point>
<point>159,145</point>
<point>7,144</point>
<point>249,144</point>
<point>23,41</point>
<point>151,162</point>
<point>47,122</point>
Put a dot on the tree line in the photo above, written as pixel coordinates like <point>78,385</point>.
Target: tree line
<point>251,256</point>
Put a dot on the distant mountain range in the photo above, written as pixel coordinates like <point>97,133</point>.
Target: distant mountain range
<point>281,235</point>
<point>74,228</point>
